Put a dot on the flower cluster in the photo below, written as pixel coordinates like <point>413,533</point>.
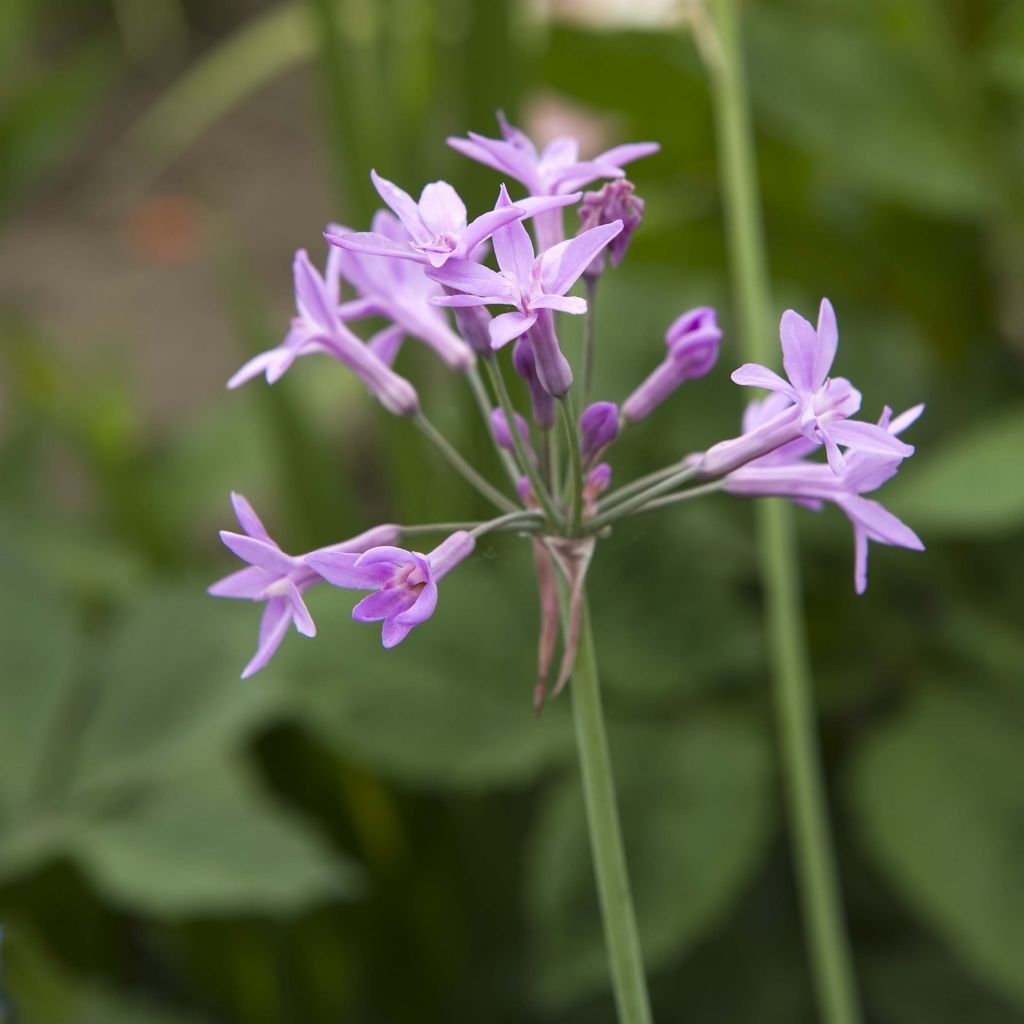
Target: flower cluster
<point>424,260</point>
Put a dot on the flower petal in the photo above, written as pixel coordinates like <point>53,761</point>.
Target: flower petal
<point>867,437</point>
<point>754,375</point>
<point>300,613</point>
<point>467,276</point>
<point>562,264</point>
<point>509,326</point>
<point>403,205</point>
<point>627,153</point>
<point>421,609</point>
<point>375,245</point>
<point>264,554</point>
<point>393,633</point>
<point>249,583</point>
<point>512,246</point>
<point>273,626</point>
<point>382,604</point>
<point>311,293</point>
<point>800,352</point>
<point>563,303</point>
<point>442,211</point>
<point>247,518</point>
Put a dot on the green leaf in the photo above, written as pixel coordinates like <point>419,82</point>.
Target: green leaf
<point>971,486</point>
<point>39,648</point>
<point>696,808</point>
<point>941,809</point>
<point>168,689</point>
<point>211,844</point>
<point>452,705</point>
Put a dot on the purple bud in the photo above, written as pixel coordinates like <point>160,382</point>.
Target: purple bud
<point>525,492</point>
<point>692,342</point>
<point>541,403</point>
<point>599,426</point>
<point>614,201</point>
<point>502,433</point>
<point>598,481</point>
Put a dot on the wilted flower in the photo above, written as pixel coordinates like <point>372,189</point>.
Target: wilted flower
<point>615,201</point>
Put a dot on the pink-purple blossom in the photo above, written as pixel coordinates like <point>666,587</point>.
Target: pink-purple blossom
<point>436,225</point>
<point>397,290</point>
<point>404,583</point>
<point>535,285</point>
<point>319,327</point>
<point>820,405</point>
<point>786,474</point>
<point>616,200</point>
<point>278,578</point>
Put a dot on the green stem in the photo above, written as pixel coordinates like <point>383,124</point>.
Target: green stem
<point>461,466</point>
<point>641,483</point>
<point>673,499</point>
<point>572,438</point>
<point>483,402</point>
<point>821,902</point>
<point>510,521</point>
<point>620,931</point>
<point>638,501</point>
<point>526,463</point>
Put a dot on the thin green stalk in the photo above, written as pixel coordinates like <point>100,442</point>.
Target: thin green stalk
<point>572,438</point>
<point>589,340</point>
<point>641,483</point>
<point>620,930</point>
<point>461,466</point>
<point>526,463</point>
<point>520,519</point>
<point>801,761</point>
<point>638,501</point>
<point>483,402</point>
<point>673,499</point>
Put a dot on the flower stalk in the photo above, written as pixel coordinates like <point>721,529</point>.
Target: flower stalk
<point>620,930</point>
<point>801,761</point>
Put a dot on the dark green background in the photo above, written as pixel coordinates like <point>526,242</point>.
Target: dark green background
<point>367,836</point>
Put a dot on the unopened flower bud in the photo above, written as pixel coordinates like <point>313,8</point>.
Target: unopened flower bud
<point>692,341</point>
<point>599,426</point>
<point>598,481</point>
<point>614,201</point>
<point>502,432</point>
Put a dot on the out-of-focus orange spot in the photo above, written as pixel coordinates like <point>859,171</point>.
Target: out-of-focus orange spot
<point>166,229</point>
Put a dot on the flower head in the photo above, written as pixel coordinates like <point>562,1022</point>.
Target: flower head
<point>277,578</point>
<point>554,170</point>
<point>404,583</point>
<point>319,327</point>
<point>788,475</point>
<point>396,289</point>
<point>819,405</point>
<point>436,225</point>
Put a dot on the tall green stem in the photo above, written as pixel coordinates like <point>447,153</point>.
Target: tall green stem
<point>801,760</point>
<point>620,931</point>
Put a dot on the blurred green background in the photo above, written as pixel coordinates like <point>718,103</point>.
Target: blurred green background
<point>366,837</point>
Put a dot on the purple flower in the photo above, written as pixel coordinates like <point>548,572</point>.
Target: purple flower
<point>437,225</point>
<point>277,578</point>
<point>811,484</point>
<point>319,328</point>
<point>555,170</point>
<point>615,201</point>
<point>599,426</point>
<point>820,404</point>
<point>397,290</point>
<point>404,583</point>
<point>535,285</point>
<point>692,341</point>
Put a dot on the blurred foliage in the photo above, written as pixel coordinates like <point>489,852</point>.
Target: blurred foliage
<point>361,835</point>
